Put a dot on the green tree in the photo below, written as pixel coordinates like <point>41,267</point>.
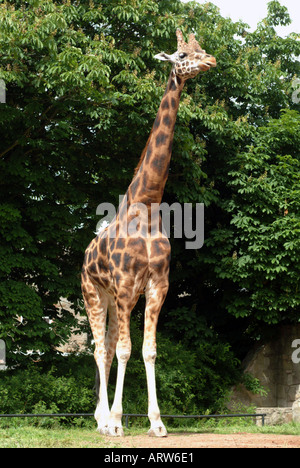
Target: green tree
<point>263,238</point>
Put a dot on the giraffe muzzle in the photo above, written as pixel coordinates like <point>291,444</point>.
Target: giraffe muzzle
<point>206,62</point>
<point>211,61</point>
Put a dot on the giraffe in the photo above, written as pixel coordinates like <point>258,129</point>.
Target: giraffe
<point>121,264</point>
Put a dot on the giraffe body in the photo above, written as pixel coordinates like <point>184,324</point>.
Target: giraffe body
<point>132,255</point>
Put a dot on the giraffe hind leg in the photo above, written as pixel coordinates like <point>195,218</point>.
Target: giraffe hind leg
<point>155,296</point>
<point>125,302</point>
<point>111,425</point>
<point>96,304</point>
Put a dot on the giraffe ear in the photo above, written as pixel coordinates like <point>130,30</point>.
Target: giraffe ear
<point>165,57</point>
<point>161,56</point>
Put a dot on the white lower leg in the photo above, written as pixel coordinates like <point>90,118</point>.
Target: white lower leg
<point>157,428</point>
<point>102,410</point>
<point>115,419</point>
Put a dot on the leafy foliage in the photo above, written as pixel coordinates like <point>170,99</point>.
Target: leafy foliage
<point>265,219</point>
<point>30,390</point>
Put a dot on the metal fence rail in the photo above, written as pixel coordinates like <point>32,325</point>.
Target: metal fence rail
<point>201,416</point>
<point>127,416</point>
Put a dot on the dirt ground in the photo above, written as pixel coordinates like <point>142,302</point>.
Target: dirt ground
<point>239,440</point>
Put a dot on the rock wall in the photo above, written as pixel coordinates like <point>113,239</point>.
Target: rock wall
<point>274,364</point>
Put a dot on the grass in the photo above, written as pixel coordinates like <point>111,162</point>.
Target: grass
<point>38,437</point>
<point>23,435</point>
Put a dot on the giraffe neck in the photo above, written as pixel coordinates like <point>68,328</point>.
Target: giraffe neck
<point>148,185</point>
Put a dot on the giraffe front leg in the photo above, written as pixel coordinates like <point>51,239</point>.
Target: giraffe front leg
<point>157,428</point>
<point>111,338</point>
<point>155,296</point>
<point>115,419</point>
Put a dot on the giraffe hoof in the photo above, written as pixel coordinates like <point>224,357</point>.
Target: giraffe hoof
<point>104,430</point>
<point>116,431</point>
<point>159,431</point>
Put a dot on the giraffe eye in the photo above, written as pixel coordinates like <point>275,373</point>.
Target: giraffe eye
<point>182,55</point>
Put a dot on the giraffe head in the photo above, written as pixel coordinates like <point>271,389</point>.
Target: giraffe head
<point>189,59</point>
